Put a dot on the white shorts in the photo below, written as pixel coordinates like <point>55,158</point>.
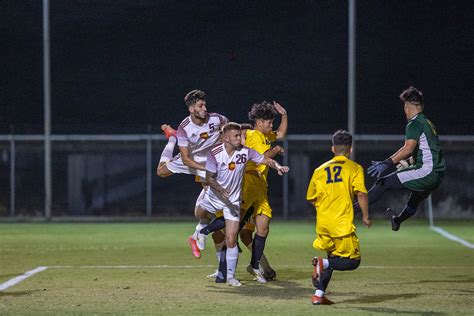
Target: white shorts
<point>214,204</point>
<point>176,165</point>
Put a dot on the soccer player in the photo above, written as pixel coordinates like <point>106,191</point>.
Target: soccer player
<point>225,168</point>
<point>254,193</point>
<point>331,190</point>
<point>247,227</point>
<point>423,145</point>
<point>196,135</point>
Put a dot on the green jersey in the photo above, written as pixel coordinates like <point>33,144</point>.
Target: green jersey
<point>426,173</point>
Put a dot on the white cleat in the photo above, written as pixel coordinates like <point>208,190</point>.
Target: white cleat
<point>257,273</point>
<point>213,275</point>
<point>201,241</point>
<point>233,282</point>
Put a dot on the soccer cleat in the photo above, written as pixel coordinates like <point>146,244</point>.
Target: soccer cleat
<point>233,282</point>
<point>316,300</point>
<point>201,241</point>
<point>270,275</point>
<point>194,248</point>
<point>318,269</point>
<point>168,131</point>
<point>395,224</point>
<point>221,280</point>
<point>257,273</point>
<point>213,275</point>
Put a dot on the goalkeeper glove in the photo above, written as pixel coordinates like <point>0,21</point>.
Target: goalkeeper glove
<point>378,167</point>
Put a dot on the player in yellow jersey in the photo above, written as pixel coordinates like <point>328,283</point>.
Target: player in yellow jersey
<point>331,190</point>
<point>254,193</point>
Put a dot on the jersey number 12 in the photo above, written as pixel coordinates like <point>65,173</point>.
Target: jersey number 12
<point>335,175</point>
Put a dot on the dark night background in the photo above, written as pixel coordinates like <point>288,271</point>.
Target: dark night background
<point>122,66</point>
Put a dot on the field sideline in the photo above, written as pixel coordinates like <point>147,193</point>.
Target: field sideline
<point>147,268</point>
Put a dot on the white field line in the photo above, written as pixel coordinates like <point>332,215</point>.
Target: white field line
<point>452,237</point>
<point>20,278</point>
<point>212,266</point>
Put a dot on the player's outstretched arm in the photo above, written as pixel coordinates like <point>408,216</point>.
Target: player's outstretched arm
<point>405,151</point>
<point>363,200</point>
<point>271,153</point>
<point>378,167</point>
<point>275,165</point>
<point>281,131</point>
<point>212,181</point>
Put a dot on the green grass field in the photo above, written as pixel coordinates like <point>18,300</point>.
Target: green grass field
<point>147,268</point>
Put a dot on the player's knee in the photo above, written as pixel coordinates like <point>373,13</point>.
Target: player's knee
<point>161,172</point>
<point>231,242</point>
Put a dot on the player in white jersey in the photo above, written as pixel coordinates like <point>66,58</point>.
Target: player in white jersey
<point>225,167</point>
<point>196,135</point>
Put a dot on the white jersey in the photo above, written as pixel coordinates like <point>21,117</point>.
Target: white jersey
<point>200,139</point>
<point>230,169</point>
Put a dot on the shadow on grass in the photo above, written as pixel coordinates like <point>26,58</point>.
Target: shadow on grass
<point>273,290</point>
<point>397,311</point>
<point>378,298</point>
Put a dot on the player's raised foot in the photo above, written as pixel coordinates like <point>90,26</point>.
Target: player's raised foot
<point>270,275</point>
<point>201,241</point>
<point>194,248</point>
<point>168,131</point>
<point>257,273</point>
<point>317,300</point>
<point>213,275</point>
<point>318,269</point>
<point>393,220</point>
<point>233,282</point>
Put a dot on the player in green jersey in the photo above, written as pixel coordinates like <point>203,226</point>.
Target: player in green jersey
<point>422,145</point>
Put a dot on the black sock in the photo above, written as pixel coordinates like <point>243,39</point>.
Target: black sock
<point>343,264</point>
<point>258,246</point>
<point>405,214</point>
<point>222,270</point>
<point>215,225</point>
<point>324,279</point>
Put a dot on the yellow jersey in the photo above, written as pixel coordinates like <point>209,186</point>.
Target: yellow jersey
<point>331,189</point>
<point>261,143</point>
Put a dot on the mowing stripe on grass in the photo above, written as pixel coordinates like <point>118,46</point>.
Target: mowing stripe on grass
<point>452,237</point>
<point>20,278</point>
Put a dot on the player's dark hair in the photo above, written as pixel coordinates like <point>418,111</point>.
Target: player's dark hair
<point>192,97</point>
<point>230,126</point>
<point>342,138</point>
<point>412,95</point>
<point>262,111</point>
<point>246,126</point>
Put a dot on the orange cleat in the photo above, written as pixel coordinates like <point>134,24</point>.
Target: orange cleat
<point>168,131</point>
<point>316,300</point>
<point>194,248</point>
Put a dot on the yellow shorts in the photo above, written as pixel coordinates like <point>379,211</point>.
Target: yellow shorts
<point>254,194</point>
<point>346,246</point>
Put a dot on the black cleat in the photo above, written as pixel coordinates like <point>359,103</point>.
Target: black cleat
<point>393,220</point>
<point>270,275</point>
<point>220,280</point>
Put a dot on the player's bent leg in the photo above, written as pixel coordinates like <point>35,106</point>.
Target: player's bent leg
<point>163,171</point>
<point>416,197</point>
<point>382,185</point>
<point>343,264</point>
